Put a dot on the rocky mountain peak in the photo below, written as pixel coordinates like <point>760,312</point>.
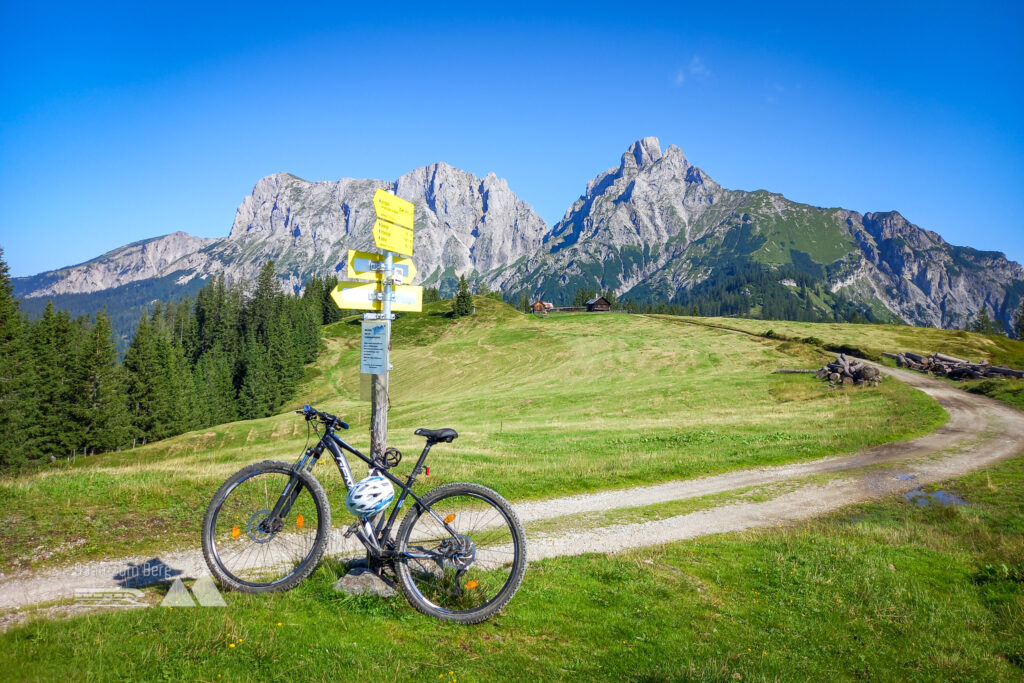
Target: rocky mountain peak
<point>641,154</point>
<point>652,228</point>
<point>887,225</point>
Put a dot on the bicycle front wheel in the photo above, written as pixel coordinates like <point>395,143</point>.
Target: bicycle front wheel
<point>461,555</point>
<point>250,550</point>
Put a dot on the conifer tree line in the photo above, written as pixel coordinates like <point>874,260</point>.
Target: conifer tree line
<point>235,351</point>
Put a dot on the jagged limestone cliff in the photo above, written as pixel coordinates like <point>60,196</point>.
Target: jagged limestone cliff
<point>653,228</point>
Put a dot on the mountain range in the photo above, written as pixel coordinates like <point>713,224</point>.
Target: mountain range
<point>655,228</point>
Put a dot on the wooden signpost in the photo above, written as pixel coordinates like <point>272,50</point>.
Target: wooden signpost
<point>383,295</point>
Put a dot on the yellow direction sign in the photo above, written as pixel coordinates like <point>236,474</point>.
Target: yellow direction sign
<point>365,265</point>
<point>357,295</point>
<point>407,298</point>
<point>392,237</point>
<point>393,209</point>
<point>370,297</point>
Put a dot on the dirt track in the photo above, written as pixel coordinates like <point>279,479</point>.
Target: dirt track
<point>980,432</point>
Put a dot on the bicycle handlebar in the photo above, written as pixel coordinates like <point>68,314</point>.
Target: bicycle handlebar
<point>310,412</point>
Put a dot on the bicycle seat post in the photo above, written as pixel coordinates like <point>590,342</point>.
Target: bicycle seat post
<point>419,462</point>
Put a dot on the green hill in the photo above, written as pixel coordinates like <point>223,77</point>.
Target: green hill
<point>544,407</point>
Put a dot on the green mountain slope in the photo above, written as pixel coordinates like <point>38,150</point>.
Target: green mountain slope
<point>658,229</point>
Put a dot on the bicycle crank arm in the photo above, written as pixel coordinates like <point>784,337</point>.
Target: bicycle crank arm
<point>418,556</point>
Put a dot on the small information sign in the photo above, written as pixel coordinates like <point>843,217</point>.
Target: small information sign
<point>373,358</point>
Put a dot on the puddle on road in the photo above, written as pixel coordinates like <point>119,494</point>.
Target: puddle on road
<point>919,497</point>
<point>905,477</point>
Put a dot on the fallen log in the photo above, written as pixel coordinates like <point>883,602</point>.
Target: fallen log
<point>785,371</point>
<point>844,371</point>
<point>1008,372</point>
<point>955,368</point>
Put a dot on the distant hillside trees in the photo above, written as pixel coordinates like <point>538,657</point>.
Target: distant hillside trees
<point>983,324</point>
<point>233,352</point>
<point>583,295</point>
<point>431,294</point>
<point>1018,323</point>
<point>755,291</point>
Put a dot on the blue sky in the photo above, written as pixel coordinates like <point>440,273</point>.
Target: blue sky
<point>119,123</point>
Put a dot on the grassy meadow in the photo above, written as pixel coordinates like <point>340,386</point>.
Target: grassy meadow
<point>544,406</point>
<point>870,341</point>
<point>886,591</point>
<point>873,340</point>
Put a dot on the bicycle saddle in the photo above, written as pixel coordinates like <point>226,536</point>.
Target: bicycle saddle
<point>446,434</point>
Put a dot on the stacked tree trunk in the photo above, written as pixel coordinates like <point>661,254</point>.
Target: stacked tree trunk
<point>954,368</point>
<point>845,370</point>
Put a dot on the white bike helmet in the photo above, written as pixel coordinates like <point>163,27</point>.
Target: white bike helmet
<point>369,496</point>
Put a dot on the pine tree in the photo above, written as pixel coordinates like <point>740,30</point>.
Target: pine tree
<point>263,306</point>
<point>55,343</point>
<point>314,297</point>
<point>983,324</point>
<point>332,313</point>
<point>215,388</point>
<point>462,305</point>
<point>524,303</point>
<point>1018,323</point>
<point>18,409</point>
<point>256,393</point>
<point>159,385</point>
<point>100,404</point>
<point>140,364</point>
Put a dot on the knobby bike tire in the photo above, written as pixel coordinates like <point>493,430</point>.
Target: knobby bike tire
<point>308,563</point>
<point>403,541</point>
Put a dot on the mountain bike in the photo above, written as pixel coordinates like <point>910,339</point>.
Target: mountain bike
<point>459,553</point>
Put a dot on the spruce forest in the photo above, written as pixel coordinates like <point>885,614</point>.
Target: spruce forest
<point>234,351</point>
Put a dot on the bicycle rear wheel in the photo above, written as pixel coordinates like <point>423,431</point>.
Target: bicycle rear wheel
<point>250,552</point>
<point>469,576</point>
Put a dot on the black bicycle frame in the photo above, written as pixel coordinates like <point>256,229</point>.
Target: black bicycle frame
<point>335,444</point>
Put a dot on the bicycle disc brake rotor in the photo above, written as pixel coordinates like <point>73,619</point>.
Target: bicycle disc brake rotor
<point>258,529</point>
<point>457,553</point>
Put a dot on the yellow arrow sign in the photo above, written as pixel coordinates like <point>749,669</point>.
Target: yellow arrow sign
<point>370,297</point>
<point>407,298</point>
<point>365,265</point>
<point>393,209</point>
<point>357,295</point>
<point>392,237</point>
